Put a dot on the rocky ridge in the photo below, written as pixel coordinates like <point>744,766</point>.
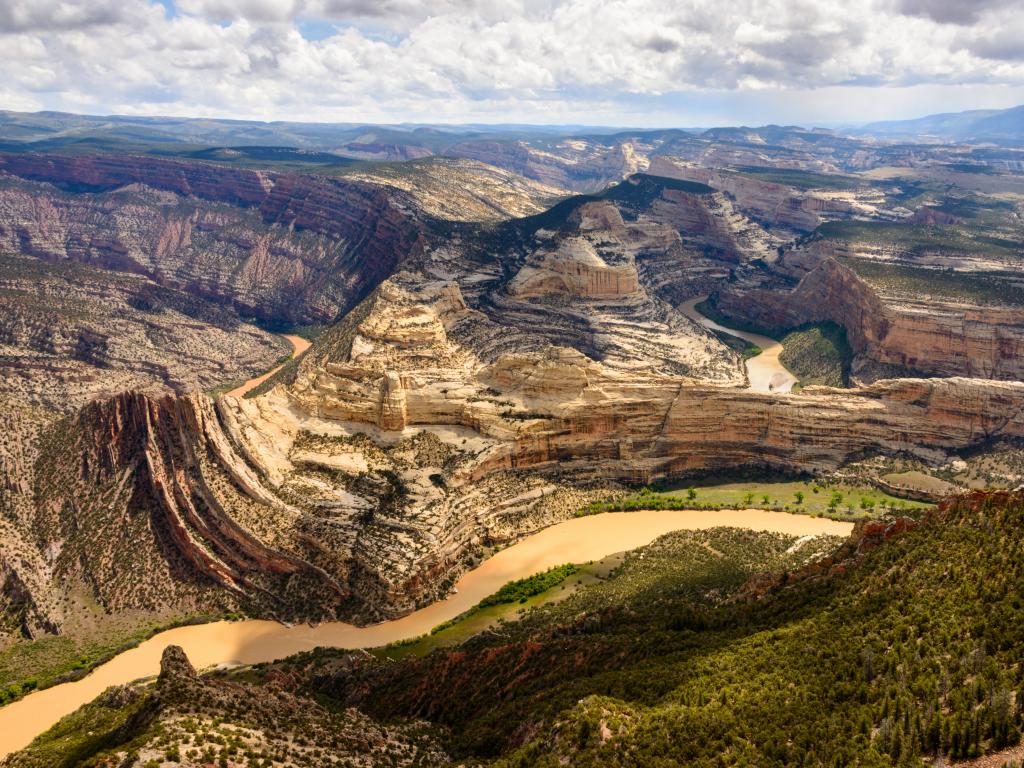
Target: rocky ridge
<point>492,385</point>
<point>192,720</point>
<point>771,202</point>
<point>71,333</point>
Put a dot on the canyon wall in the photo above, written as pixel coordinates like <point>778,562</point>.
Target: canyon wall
<point>70,333</point>
<point>280,246</point>
<point>216,487</point>
<point>933,337</point>
<point>767,201</point>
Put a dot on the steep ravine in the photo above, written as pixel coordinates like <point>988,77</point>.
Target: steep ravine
<point>935,338</point>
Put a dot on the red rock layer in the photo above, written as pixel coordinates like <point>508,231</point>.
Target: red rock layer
<point>941,339</point>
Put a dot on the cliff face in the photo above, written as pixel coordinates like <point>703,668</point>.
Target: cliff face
<point>560,410</point>
<point>768,201</point>
<point>168,506</point>
<point>475,395</point>
<point>932,337</point>
<point>574,164</point>
<point>283,246</point>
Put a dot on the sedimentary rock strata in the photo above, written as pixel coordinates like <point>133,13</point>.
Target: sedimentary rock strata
<point>366,485</point>
<point>69,334</point>
<point>768,201</point>
<point>456,189</point>
<point>486,384</point>
<point>930,336</point>
<point>274,245</point>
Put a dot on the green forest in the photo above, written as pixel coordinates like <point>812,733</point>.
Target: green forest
<point>886,654</point>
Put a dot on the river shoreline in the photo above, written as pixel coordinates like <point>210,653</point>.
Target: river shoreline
<point>299,345</point>
<point>254,641</point>
<point>764,371</point>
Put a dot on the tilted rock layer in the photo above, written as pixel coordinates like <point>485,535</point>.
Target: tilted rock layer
<point>363,488</point>
<point>480,392</point>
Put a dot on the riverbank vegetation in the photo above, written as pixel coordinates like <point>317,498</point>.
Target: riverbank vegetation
<point>899,649</point>
<point>746,349</point>
<point>723,647</point>
<point>820,498</point>
<point>54,659</point>
<point>818,354</point>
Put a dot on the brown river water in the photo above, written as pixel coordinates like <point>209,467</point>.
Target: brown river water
<point>299,345</point>
<point>765,372</point>
<point>577,540</point>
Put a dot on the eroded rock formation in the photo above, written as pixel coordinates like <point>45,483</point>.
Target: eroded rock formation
<point>274,245</point>
<point>928,336</point>
<point>479,392</point>
<point>70,333</point>
<point>364,487</point>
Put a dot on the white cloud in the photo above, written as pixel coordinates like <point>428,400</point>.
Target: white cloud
<point>545,60</point>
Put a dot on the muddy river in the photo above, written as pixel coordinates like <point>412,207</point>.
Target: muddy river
<point>251,641</point>
<point>765,372</point>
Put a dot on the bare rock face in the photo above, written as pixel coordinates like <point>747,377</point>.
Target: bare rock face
<point>575,164</point>
<point>574,268</point>
<point>456,189</point>
<point>175,666</point>
<point>276,245</point>
<point>604,279</point>
<point>933,337</point>
<point>775,203</point>
<point>364,487</point>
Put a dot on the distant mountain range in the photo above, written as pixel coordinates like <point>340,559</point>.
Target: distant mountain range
<point>995,125</point>
<point>48,131</point>
<point>51,130</point>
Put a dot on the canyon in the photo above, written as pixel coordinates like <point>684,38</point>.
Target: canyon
<point>492,356</point>
<point>927,336</point>
<point>490,385</point>
<point>254,641</point>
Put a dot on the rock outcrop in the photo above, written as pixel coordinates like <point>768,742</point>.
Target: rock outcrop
<point>574,268</point>
<point>363,488</point>
<point>71,333</point>
<point>932,337</point>
<point>455,189</point>
<point>279,246</point>
<point>767,201</point>
<point>574,164</point>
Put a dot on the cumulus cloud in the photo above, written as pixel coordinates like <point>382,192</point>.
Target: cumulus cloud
<point>486,59</point>
<point>56,15</point>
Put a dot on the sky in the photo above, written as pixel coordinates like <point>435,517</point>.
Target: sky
<point>642,63</point>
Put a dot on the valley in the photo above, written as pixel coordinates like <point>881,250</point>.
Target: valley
<point>299,345</point>
<point>258,402</point>
<point>765,373</point>
<point>220,644</point>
